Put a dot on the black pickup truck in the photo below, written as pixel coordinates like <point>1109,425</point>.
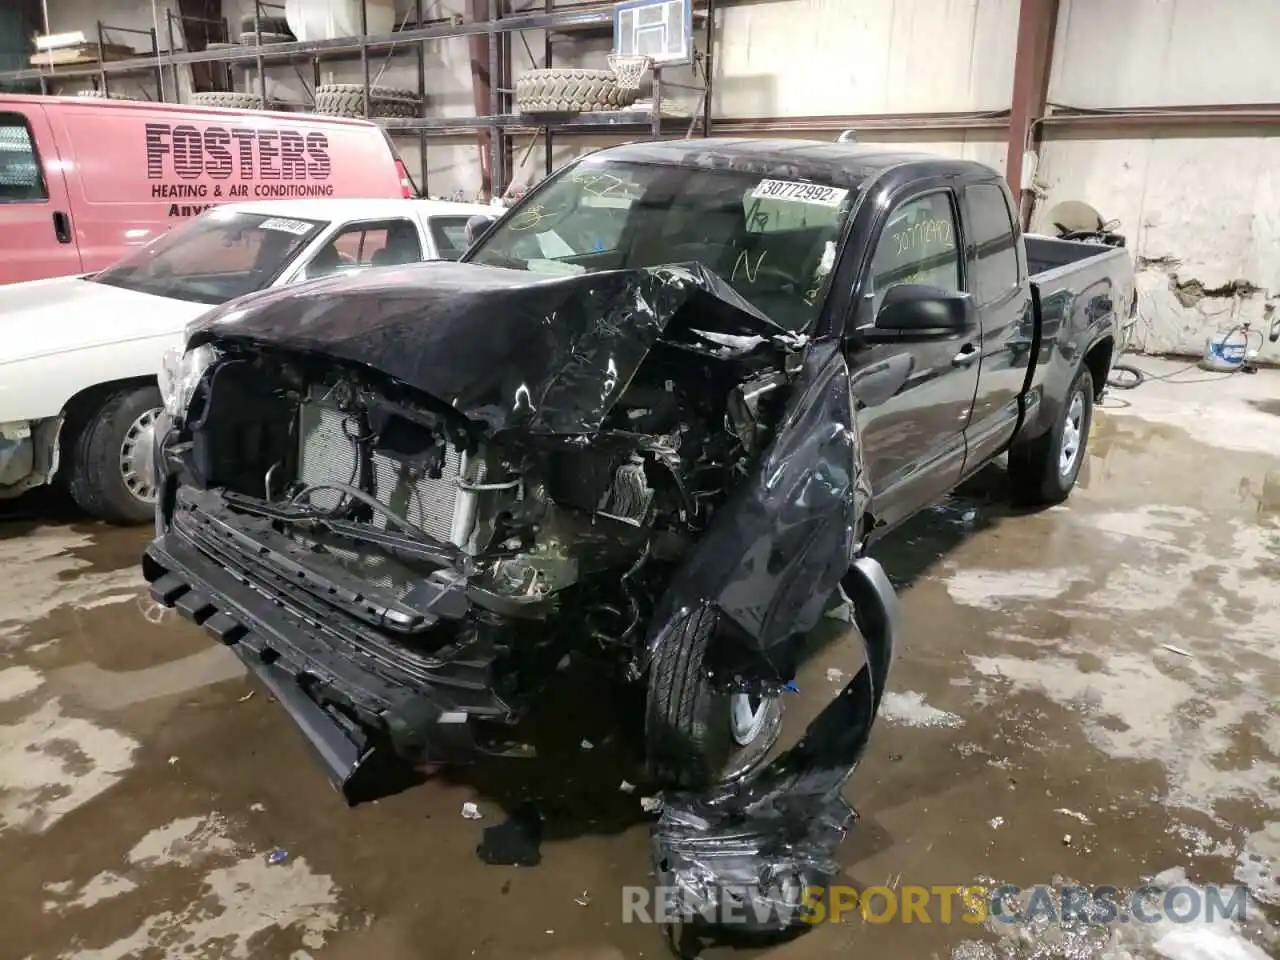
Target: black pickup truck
<point>657,413</point>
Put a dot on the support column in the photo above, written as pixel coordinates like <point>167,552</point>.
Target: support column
<point>481,88</point>
<point>1033,58</point>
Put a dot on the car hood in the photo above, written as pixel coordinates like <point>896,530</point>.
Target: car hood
<point>45,317</point>
<point>507,348</point>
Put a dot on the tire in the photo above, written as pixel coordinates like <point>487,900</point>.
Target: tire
<point>252,39</point>
<point>235,101</point>
<point>99,95</point>
<point>570,90</point>
<point>347,100</point>
<point>95,476</point>
<point>264,24</point>
<point>690,740</point>
<point>1037,474</point>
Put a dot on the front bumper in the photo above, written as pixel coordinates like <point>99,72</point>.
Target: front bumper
<point>358,696</point>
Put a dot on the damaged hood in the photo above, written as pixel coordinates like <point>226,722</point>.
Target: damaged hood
<point>507,348</point>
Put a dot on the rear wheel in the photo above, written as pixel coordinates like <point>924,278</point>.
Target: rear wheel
<point>1044,471</point>
<point>111,473</point>
<point>696,734</point>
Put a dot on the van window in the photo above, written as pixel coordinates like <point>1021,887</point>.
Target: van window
<point>20,176</point>
<point>918,245</point>
<point>215,258</point>
<point>359,245</point>
<point>995,271</point>
<point>450,235</point>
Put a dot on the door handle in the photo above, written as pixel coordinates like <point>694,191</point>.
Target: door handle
<point>968,353</point>
<point>62,227</point>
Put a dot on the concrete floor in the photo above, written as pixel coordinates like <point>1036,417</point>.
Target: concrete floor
<point>1107,670</point>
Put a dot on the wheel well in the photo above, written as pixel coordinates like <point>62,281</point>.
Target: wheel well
<point>81,407</point>
<point>1098,360</point>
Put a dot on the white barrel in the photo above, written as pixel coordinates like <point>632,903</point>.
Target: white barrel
<point>327,19</point>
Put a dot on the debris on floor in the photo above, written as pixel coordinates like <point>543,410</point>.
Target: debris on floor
<point>277,856</point>
<point>516,842</point>
<point>470,811</point>
<point>1075,814</point>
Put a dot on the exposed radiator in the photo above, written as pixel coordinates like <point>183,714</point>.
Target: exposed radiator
<point>328,453</point>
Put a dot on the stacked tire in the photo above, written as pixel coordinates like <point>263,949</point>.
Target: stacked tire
<point>101,95</point>
<point>571,90</point>
<point>347,100</point>
<point>255,30</point>
<point>235,101</point>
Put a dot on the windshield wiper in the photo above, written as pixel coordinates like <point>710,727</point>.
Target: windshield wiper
<point>501,260</point>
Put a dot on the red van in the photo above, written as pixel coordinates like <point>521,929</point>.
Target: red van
<point>83,179</point>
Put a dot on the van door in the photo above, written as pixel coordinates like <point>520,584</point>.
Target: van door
<point>37,236</point>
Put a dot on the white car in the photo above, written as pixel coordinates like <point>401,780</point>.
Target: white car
<point>79,356</point>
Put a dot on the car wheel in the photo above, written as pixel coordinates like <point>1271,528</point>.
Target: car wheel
<point>111,469</point>
<point>1044,471</point>
<point>697,735</point>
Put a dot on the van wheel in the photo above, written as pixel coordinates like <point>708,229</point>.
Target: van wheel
<point>111,469</point>
<point>697,735</point>
<point>1044,471</point>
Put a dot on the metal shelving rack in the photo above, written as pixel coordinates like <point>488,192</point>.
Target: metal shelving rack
<point>557,22</point>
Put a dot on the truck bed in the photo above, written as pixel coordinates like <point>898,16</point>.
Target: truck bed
<point>1078,287</point>
<point>1048,255</point>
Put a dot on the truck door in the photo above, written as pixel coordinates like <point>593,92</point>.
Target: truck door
<point>998,281</point>
<point>913,442</point>
<point>37,238</point>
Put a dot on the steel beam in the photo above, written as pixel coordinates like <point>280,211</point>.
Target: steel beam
<point>1032,62</point>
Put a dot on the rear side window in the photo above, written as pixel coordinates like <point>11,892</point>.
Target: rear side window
<point>995,268</point>
<point>450,235</point>
<point>20,177</point>
<point>918,245</point>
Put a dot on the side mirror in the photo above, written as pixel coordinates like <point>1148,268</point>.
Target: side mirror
<point>915,311</point>
<point>476,226</point>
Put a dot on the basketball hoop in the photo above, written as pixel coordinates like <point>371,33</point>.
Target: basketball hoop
<point>628,70</point>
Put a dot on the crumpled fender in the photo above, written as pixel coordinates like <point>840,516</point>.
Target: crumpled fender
<point>756,850</point>
<point>769,564</point>
<point>776,552</point>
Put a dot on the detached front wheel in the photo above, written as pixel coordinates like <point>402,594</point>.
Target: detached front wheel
<point>1044,471</point>
<point>111,473</point>
<point>696,734</point>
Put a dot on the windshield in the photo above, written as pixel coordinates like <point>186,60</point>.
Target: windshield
<point>215,258</point>
<point>772,240</point>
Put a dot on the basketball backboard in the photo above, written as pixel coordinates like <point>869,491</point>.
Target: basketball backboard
<point>661,30</point>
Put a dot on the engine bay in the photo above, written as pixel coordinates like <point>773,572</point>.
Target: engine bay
<point>355,467</point>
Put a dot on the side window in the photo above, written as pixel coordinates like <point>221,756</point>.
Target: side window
<point>995,270</point>
<point>450,235</point>
<point>20,176</point>
<point>917,245</point>
<point>360,245</point>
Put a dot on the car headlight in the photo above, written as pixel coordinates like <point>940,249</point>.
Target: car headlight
<point>180,372</point>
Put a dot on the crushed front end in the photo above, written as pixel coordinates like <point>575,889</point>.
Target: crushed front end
<point>404,574</point>
<point>402,497</point>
